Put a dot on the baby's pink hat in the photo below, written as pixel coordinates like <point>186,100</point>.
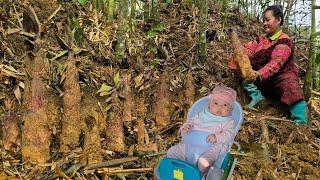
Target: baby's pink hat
<point>224,93</point>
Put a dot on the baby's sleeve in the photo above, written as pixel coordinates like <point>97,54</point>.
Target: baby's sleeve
<point>226,133</point>
<point>192,121</point>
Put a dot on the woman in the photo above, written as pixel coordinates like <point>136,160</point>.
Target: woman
<point>272,58</point>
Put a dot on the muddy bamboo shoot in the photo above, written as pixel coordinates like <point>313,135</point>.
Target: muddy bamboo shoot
<point>71,106</point>
<point>114,130</point>
<point>162,102</point>
<point>190,90</point>
<point>128,103</point>
<point>141,111</point>
<point>241,56</point>
<point>92,144</point>
<point>35,132</point>
<point>11,133</point>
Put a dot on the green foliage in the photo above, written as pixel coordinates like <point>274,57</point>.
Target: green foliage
<point>167,2</point>
<point>152,47</point>
<point>83,2</point>
<point>99,4</point>
<point>77,32</point>
<point>158,27</point>
<point>116,80</point>
<point>59,55</point>
<point>104,90</point>
<point>317,61</point>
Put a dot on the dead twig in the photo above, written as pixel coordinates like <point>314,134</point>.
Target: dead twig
<point>156,154</point>
<point>53,14</point>
<point>115,171</point>
<point>265,136</point>
<point>315,92</point>
<point>298,174</point>
<point>259,174</point>
<point>275,119</point>
<point>316,145</point>
<point>60,173</point>
<point>170,127</point>
<point>112,162</point>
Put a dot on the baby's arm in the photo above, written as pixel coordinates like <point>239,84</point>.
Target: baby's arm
<point>186,127</point>
<point>226,133</point>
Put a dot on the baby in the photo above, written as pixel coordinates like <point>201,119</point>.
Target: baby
<point>216,123</point>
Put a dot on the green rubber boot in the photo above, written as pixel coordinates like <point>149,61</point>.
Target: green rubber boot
<point>254,93</point>
<point>299,112</point>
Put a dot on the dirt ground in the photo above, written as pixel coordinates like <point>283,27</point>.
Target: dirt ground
<point>272,147</point>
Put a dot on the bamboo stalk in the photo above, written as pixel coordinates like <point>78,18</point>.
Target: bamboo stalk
<point>203,6</point>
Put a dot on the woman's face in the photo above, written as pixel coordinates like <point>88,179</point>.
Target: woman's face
<point>219,107</point>
<point>270,23</point>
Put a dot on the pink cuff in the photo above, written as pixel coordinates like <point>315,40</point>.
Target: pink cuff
<point>264,73</point>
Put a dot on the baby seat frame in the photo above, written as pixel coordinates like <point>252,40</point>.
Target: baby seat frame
<point>173,169</point>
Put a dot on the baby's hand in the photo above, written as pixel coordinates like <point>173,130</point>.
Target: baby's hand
<point>212,138</point>
<point>186,128</point>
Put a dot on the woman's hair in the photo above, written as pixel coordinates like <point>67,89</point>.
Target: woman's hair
<point>277,12</point>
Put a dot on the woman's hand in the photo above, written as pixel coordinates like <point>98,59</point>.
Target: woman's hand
<point>186,128</point>
<point>212,138</point>
<point>252,78</point>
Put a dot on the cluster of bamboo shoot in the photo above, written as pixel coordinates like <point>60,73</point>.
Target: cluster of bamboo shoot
<point>77,114</point>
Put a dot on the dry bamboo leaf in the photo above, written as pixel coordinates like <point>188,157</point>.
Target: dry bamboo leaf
<point>17,93</point>
<point>138,80</point>
<point>30,21</point>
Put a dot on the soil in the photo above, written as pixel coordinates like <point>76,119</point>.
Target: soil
<point>272,147</point>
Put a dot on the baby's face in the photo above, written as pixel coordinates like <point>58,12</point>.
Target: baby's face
<point>220,107</point>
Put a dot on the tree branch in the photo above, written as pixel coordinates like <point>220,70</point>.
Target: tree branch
<point>315,7</point>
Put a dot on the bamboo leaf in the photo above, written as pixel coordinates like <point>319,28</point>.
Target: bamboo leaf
<point>61,54</point>
<point>13,30</point>
<point>203,90</point>
<point>62,43</point>
<point>83,2</point>
<point>21,84</point>
<point>17,93</point>
<point>104,89</point>
<point>78,35</point>
<point>30,22</point>
<point>138,80</point>
<point>116,79</point>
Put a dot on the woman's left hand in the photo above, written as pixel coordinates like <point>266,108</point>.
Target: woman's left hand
<point>255,76</point>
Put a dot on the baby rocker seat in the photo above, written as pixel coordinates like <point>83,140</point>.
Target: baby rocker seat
<point>174,169</point>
